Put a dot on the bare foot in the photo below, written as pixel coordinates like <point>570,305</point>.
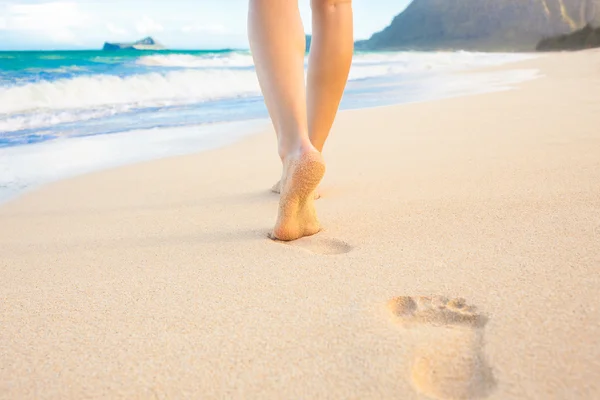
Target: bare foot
<point>277,189</point>
<point>297,216</point>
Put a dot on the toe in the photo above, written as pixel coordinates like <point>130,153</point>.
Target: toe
<point>457,304</point>
<point>439,302</point>
<point>424,302</point>
<point>402,306</point>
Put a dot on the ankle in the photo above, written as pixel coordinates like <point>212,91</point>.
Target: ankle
<point>295,148</point>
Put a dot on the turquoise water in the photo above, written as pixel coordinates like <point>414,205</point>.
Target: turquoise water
<point>46,95</point>
<point>21,60</point>
<point>58,109</point>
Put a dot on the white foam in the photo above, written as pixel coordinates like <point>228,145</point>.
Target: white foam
<point>45,118</point>
<point>204,78</point>
<point>364,65</point>
<point>191,61</point>
<point>65,69</point>
<point>442,86</point>
<point>177,87</point>
<point>440,60</point>
<point>26,167</point>
<point>193,85</point>
<point>371,65</point>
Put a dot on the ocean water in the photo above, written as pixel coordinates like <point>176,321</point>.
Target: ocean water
<point>64,113</point>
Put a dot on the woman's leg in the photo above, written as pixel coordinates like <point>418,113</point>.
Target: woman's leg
<point>329,64</point>
<point>278,45</point>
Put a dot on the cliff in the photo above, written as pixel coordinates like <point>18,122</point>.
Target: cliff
<point>585,38</point>
<point>144,44</point>
<point>483,24</point>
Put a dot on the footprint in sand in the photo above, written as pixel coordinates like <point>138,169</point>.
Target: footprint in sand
<point>321,245</point>
<point>448,360</point>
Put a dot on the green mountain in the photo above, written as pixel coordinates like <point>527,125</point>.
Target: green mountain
<point>585,38</point>
<point>492,25</point>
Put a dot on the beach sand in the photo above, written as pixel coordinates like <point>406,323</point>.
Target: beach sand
<point>157,280</point>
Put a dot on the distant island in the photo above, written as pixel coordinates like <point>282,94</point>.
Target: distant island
<point>484,25</point>
<point>144,44</point>
<point>585,38</point>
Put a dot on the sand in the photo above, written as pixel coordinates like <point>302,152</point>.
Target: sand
<point>157,280</point>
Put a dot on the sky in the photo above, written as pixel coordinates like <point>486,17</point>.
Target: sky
<point>179,24</point>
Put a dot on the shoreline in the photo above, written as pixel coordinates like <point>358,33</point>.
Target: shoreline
<point>158,279</point>
<point>178,140</point>
<point>24,178</point>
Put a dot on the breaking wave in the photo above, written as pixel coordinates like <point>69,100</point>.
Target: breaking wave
<point>77,93</point>
<point>153,89</point>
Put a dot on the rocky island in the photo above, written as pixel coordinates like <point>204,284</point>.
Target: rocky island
<point>144,44</point>
<point>485,25</point>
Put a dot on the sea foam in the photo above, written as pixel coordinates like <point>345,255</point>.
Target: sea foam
<point>207,78</point>
<point>170,80</point>
<point>191,61</point>
<point>144,89</point>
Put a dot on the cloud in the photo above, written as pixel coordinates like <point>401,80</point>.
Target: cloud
<point>147,25</point>
<point>213,29</point>
<point>86,24</point>
<point>53,20</point>
<point>115,30</point>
